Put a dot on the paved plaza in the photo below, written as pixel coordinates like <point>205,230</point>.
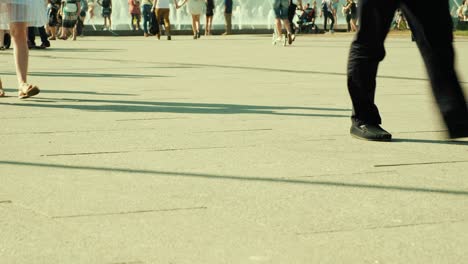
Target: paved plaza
<point>225,150</point>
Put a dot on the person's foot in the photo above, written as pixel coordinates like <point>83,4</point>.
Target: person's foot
<point>291,38</point>
<point>369,132</point>
<point>195,36</point>
<point>158,36</point>
<point>45,44</point>
<point>458,130</point>
<point>31,45</point>
<point>169,38</point>
<point>27,90</point>
<point>225,34</point>
<point>145,35</point>
<point>198,34</point>
<point>39,47</point>
<point>52,38</point>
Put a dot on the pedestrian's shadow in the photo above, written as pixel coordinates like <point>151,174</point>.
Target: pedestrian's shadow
<point>127,106</point>
<point>431,141</point>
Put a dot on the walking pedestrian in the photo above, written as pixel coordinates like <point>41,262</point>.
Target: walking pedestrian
<point>45,43</point>
<point>281,10</point>
<point>228,16</point>
<point>135,13</point>
<point>327,13</point>
<point>161,7</point>
<point>147,6</point>
<point>16,15</point>
<point>209,16</point>
<point>106,13</point>
<point>195,8</point>
<point>434,38</point>
<point>71,11</point>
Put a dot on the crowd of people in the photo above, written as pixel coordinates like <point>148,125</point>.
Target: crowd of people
<point>434,39</point>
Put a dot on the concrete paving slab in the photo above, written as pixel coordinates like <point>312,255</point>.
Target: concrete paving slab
<point>225,150</point>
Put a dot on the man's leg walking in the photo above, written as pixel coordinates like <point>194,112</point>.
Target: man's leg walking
<point>367,50</point>
<point>434,38</point>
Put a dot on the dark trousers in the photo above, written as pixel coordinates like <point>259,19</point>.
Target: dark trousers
<point>291,14</point>
<point>434,39</point>
<point>32,35</point>
<point>328,15</point>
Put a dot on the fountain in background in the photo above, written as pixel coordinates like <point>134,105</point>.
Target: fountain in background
<point>247,14</point>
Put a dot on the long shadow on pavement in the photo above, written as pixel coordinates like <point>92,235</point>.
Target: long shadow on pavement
<point>430,141</point>
<point>174,107</point>
<point>160,173</point>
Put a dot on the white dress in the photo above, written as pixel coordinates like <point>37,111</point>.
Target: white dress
<point>195,7</point>
<point>33,12</point>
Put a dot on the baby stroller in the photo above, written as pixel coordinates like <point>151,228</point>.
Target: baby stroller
<point>306,22</point>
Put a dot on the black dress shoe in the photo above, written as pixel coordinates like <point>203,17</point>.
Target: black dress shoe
<point>45,44</point>
<point>458,130</point>
<point>370,132</point>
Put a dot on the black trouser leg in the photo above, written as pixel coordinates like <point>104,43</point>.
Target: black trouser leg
<point>434,38</point>
<point>367,50</point>
<point>291,13</point>
<point>32,36</point>
<point>348,21</point>
<point>325,21</point>
<point>332,19</point>
<point>43,34</point>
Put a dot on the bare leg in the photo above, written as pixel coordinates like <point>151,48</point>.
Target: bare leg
<point>194,26</point>
<point>21,52</point>
<point>279,27</point>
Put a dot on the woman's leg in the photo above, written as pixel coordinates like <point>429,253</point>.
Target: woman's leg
<point>197,22</point>
<point>18,33</point>
<point>194,26</point>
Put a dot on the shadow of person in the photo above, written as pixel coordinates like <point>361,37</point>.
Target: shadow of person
<point>431,141</point>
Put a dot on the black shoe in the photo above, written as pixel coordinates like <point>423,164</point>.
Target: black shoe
<point>458,130</point>
<point>169,38</point>
<point>370,132</point>
<point>45,44</point>
<point>198,34</point>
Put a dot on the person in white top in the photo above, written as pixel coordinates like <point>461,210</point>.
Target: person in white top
<point>195,8</point>
<point>162,12</point>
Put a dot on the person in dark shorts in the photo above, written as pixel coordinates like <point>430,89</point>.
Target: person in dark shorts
<point>434,38</point>
<point>71,10</point>
<point>209,16</point>
<point>53,23</point>
<point>106,13</point>
<point>351,14</point>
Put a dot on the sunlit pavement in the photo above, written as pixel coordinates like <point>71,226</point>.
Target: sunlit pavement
<point>225,150</point>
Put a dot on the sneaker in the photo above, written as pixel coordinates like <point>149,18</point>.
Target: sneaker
<point>370,132</point>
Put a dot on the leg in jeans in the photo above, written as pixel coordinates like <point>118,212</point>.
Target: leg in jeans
<point>434,38</point>
<point>146,17</point>
<point>367,50</point>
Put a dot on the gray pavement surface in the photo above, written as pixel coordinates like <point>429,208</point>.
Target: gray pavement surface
<point>225,150</point>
